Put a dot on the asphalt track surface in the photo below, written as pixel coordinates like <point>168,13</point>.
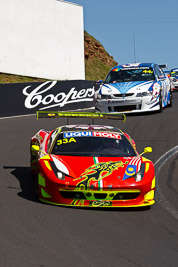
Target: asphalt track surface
<point>36,234</point>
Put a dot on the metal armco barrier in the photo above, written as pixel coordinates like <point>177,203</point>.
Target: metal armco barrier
<point>26,98</point>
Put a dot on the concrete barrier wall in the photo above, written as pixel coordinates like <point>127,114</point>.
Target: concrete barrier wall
<point>42,38</point>
<point>26,98</point>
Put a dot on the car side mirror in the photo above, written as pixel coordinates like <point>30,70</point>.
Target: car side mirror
<point>146,150</point>
<point>35,148</point>
<point>99,81</point>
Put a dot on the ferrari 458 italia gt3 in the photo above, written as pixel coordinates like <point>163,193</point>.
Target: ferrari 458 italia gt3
<point>90,166</point>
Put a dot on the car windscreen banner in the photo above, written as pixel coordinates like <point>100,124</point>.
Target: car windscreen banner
<point>27,98</point>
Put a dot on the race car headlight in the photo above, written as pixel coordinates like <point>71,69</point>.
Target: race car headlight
<point>174,80</point>
<point>147,93</point>
<point>59,169</point>
<point>61,175</point>
<point>138,176</point>
<point>98,96</point>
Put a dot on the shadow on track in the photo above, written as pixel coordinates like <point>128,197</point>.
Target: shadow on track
<point>27,185</point>
<point>26,181</point>
<point>111,210</point>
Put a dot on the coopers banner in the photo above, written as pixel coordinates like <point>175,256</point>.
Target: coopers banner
<point>27,98</point>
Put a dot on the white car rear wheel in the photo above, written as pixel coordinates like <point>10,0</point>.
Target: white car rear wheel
<point>160,102</point>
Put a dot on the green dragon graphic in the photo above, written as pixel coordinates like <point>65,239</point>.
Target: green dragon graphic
<point>98,172</point>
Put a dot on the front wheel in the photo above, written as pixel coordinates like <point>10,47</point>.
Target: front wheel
<point>160,102</point>
<point>36,186</point>
<point>170,99</point>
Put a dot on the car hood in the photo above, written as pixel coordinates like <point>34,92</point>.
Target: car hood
<point>103,172</point>
<point>125,87</point>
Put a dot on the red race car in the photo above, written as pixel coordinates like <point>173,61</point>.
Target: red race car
<point>90,165</point>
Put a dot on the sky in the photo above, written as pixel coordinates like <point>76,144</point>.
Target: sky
<point>134,30</point>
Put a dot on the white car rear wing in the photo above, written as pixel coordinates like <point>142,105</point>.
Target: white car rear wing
<point>163,66</point>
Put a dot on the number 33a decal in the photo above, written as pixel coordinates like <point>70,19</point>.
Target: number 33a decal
<point>65,141</point>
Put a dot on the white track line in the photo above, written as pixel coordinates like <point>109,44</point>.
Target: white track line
<point>19,116</point>
<point>159,195</point>
<point>28,115</point>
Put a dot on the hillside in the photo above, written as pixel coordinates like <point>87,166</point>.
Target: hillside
<point>97,63</point>
<point>97,60</point>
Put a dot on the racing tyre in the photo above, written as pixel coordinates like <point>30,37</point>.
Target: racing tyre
<point>34,176</point>
<point>36,186</point>
<point>31,159</point>
<point>170,99</point>
<point>160,102</point>
<point>35,180</point>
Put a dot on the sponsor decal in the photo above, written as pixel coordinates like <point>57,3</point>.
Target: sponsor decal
<point>77,134</point>
<point>100,203</point>
<point>70,114</point>
<point>36,97</point>
<point>133,167</point>
<point>131,65</point>
<point>148,71</point>
<point>51,114</point>
<point>98,172</point>
<point>135,68</point>
<point>78,202</point>
<point>156,88</point>
<point>94,134</point>
<point>116,69</point>
<point>105,134</point>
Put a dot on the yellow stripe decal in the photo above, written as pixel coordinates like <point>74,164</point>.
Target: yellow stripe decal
<point>46,157</point>
<point>45,194</point>
<point>153,183</point>
<point>147,167</point>
<point>47,165</point>
<point>41,180</point>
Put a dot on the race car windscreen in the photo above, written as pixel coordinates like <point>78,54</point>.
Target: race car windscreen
<point>93,144</point>
<point>130,75</point>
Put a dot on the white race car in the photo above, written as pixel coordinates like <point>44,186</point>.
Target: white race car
<point>173,75</point>
<point>134,88</point>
